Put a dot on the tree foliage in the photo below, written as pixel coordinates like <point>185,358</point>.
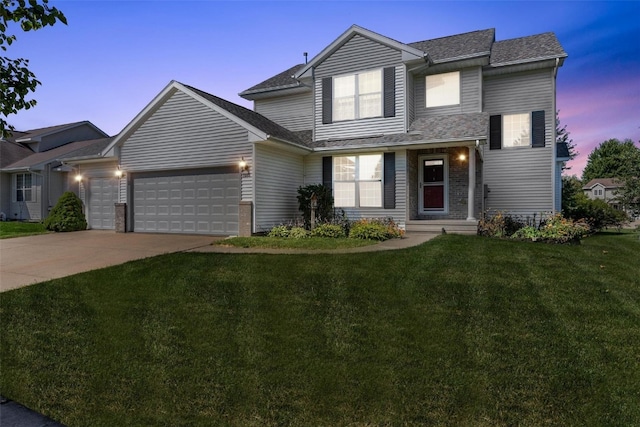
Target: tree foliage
<point>562,136</point>
<point>571,191</point>
<point>16,80</point>
<point>612,159</point>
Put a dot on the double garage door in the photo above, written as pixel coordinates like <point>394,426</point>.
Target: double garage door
<point>196,203</point>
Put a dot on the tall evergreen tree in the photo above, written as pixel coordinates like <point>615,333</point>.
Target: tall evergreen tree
<point>562,136</point>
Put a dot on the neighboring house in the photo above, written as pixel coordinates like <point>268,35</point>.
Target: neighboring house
<point>604,189</point>
<point>431,134</point>
<point>31,179</point>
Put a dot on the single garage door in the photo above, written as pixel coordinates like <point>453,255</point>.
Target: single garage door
<point>103,194</point>
<point>190,204</point>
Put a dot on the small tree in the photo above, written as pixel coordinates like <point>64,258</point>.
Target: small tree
<point>324,211</point>
<point>66,215</point>
<point>562,136</point>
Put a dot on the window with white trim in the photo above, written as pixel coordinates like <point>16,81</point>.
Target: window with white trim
<point>516,130</point>
<point>357,181</point>
<point>24,187</point>
<point>357,96</point>
<point>443,89</point>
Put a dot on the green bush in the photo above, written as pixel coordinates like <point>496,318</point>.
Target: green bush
<point>333,231</point>
<point>598,213</point>
<point>500,225</point>
<point>375,229</point>
<point>66,215</point>
<point>279,231</point>
<point>555,230</point>
<point>298,233</point>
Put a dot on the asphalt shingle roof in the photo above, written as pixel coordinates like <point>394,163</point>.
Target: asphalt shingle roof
<point>48,156</point>
<point>526,49</point>
<point>475,43</point>
<point>281,80</point>
<point>251,117</point>
<point>33,133</point>
<point>89,151</point>
<point>605,182</point>
<point>11,152</point>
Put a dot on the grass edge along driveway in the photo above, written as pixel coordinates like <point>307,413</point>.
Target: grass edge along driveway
<point>459,331</point>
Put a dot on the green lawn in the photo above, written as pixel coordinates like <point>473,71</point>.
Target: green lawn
<point>10,229</point>
<point>461,331</point>
<point>315,243</point>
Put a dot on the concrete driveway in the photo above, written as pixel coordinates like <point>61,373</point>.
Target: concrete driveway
<point>28,260</point>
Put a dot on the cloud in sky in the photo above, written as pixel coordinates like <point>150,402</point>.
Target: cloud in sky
<point>115,56</point>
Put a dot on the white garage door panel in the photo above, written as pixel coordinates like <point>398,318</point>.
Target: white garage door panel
<point>197,204</point>
<point>103,194</point>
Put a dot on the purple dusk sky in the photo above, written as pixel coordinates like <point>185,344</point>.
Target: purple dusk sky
<point>114,57</point>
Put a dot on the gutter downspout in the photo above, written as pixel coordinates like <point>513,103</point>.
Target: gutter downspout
<point>553,144</point>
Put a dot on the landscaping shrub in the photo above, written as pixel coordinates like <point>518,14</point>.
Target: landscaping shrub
<point>66,215</point>
<point>499,225</point>
<point>324,211</point>
<point>555,230</point>
<point>598,213</point>
<point>298,233</point>
<point>375,229</point>
<point>279,231</point>
<point>333,231</point>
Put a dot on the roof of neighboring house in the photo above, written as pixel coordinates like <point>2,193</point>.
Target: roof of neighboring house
<point>37,160</point>
<point>475,43</point>
<point>605,182</point>
<point>526,49</point>
<point>89,151</point>
<point>11,152</point>
<point>441,129</point>
<point>257,120</point>
<point>35,134</point>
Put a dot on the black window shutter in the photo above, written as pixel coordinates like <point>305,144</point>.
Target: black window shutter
<point>327,98</point>
<point>389,181</point>
<point>389,82</point>
<point>537,129</point>
<point>327,171</point>
<point>495,132</point>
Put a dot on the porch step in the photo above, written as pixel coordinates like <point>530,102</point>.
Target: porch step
<point>436,226</point>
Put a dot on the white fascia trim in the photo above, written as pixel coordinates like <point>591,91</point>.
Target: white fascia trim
<point>435,143</point>
<point>408,52</point>
<point>87,160</point>
<point>526,61</point>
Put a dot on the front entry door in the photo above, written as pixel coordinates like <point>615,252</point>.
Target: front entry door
<point>433,185</point>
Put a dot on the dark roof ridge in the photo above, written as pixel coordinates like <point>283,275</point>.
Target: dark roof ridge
<point>453,35</point>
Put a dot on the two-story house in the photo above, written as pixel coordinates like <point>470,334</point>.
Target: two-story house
<point>605,189</point>
<point>431,133</point>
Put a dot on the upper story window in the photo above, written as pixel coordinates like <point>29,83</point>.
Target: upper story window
<point>24,191</point>
<point>357,96</point>
<point>443,89</point>
<point>516,130</point>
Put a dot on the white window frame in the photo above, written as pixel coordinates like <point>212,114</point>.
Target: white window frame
<point>356,183</point>
<point>23,188</point>
<point>356,97</point>
<point>516,131</point>
<point>442,89</point>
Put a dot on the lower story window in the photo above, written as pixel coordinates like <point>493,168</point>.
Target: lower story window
<point>24,191</point>
<point>357,181</point>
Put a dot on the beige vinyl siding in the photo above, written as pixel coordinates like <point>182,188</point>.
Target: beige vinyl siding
<point>184,133</point>
<point>294,112</point>
<point>278,175</point>
<point>521,180</point>
<point>470,95</point>
<point>357,55</point>
<point>313,175</point>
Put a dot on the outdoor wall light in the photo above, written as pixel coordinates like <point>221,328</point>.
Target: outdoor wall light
<point>462,157</point>
<point>119,172</point>
<point>244,167</point>
<point>78,178</point>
